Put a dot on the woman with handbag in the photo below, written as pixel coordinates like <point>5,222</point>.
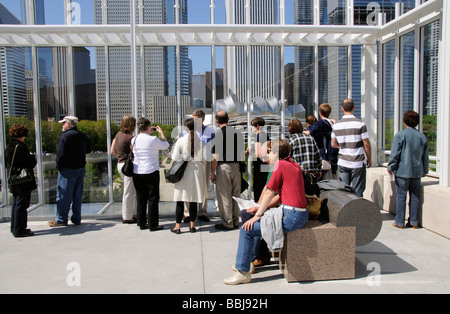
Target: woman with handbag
<point>146,173</point>
<point>192,187</point>
<point>120,148</point>
<point>19,160</point>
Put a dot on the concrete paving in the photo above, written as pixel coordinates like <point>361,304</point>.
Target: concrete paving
<point>106,256</point>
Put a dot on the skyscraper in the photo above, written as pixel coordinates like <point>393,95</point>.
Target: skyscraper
<point>160,63</point>
<point>265,61</point>
<point>12,73</point>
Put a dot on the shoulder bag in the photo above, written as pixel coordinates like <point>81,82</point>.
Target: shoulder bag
<point>176,172</point>
<point>18,176</point>
<point>127,168</point>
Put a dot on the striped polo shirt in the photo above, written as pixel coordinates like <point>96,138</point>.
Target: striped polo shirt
<point>350,133</point>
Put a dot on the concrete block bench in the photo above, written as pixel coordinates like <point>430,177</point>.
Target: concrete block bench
<point>319,252</point>
<point>326,250</point>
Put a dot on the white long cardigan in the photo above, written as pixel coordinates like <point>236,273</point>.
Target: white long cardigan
<point>192,187</point>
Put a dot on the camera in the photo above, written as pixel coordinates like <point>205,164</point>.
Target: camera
<point>154,129</point>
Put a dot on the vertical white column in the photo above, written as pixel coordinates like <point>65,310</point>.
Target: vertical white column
<point>212,6</point>
<point>282,12</point>
<point>142,59</point>
<point>369,95</point>
<point>178,57</point>
<point>249,109</point>
<point>397,109</point>
<point>444,98</point>
<point>108,133</point>
<point>70,80</point>
<point>104,12</point>
<point>316,80</point>
<point>283,93</point>
<point>37,124</point>
<point>133,58</point>
<point>31,20</point>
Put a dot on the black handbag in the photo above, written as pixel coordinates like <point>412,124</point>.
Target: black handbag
<point>127,168</point>
<point>176,172</point>
<point>18,176</point>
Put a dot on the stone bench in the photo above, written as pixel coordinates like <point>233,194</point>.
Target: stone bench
<point>319,252</point>
<point>326,250</point>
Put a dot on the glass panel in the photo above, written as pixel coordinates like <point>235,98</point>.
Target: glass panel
<point>199,12</point>
<point>430,78</point>
<point>261,12</point>
<point>54,105</point>
<point>154,13</point>
<point>333,78</point>
<point>332,12</point>
<point>201,89</point>
<point>221,86</point>
<point>170,11</point>
<point>220,12</point>
<point>120,104</point>
<point>300,12</point>
<point>407,57</point>
<point>356,79</point>
<point>235,69</point>
<point>389,93</point>
<point>83,11</point>
<point>304,79</point>
<point>12,12</point>
<point>96,179</point>
<point>16,82</point>
<point>298,82</point>
<point>118,12</point>
<point>49,12</point>
<point>85,83</point>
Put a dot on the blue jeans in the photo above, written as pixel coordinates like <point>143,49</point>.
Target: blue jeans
<point>403,186</point>
<point>292,220</point>
<point>356,178</point>
<point>69,192</point>
<point>256,240</point>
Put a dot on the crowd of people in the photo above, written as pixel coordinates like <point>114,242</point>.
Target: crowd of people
<point>325,149</point>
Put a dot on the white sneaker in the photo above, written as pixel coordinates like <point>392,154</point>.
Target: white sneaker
<point>238,278</point>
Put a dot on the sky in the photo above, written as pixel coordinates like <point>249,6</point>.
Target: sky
<point>199,12</point>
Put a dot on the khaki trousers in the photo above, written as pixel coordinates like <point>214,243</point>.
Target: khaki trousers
<point>228,184</point>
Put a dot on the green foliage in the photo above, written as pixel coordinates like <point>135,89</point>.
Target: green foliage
<point>31,138</point>
<point>429,129</point>
<point>51,132</point>
<point>167,129</point>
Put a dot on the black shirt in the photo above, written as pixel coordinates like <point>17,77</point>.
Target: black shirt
<point>72,149</point>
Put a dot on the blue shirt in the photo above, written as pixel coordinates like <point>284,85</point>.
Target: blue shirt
<point>409,154</point>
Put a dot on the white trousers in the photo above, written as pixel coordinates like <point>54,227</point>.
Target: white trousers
<point>129,195</point>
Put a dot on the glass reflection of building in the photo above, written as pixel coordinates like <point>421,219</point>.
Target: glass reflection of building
<point>332,63</point>
<point>160,64</point>
<point>264,61</point>
<point>12,73</point>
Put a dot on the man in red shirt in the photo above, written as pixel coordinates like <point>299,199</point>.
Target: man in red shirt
<point>287,180</point>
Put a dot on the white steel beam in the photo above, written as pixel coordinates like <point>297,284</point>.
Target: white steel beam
<point>192,35</point>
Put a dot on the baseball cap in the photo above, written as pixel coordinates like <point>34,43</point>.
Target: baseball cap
<point>69,119</point>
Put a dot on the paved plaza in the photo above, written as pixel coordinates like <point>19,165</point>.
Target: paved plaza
<point>106,256</point>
